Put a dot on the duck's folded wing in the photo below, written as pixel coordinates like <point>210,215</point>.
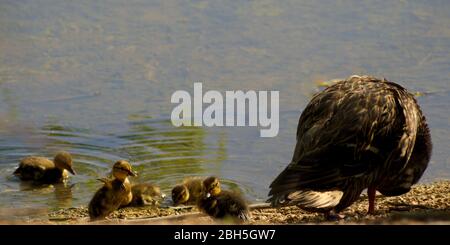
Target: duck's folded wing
<point>30,172</point>
<point>412,117</point>
<point>343,135</point>
<point>233,204</point>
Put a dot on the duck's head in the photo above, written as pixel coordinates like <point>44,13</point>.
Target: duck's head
<point>63,160</point>
<point>211,187</point>
<point>180,194</point>
<point>122,169</point>
<point>147,194</point>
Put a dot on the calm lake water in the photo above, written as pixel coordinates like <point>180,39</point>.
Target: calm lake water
<point>95,78</point>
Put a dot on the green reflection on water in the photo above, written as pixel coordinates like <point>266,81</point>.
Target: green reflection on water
<point>166,154</point>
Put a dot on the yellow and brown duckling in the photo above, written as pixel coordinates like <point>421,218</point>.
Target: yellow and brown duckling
<point>222,204</point>
<point>41,169</point>
<point>189,192</point>
<point>114,194</point>
<point>146,194</point>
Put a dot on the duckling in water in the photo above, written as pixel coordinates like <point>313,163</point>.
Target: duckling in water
<point>222,204</point>
<point>187,193</point>
<point>146,194</point>
<point>115,193</point>
<point>41,169</point>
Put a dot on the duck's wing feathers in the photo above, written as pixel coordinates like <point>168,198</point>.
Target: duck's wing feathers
<point>33,168</point>
<point>102,203</point>
<point>232,203</point>
<point>344,132</point>
<point>194,186</point>
<point>36,162</point>
<point>412,119</point>
<point>107,199</point>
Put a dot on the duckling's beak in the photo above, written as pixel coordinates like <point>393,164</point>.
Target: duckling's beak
<point>163,195</point>
<point>131,173</point>
<point>70,169</point>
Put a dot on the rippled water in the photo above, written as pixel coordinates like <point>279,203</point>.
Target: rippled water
<point>95,79</point>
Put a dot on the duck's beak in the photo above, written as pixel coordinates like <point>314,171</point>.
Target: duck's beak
<point>70,169</point>
<point>132,173</point>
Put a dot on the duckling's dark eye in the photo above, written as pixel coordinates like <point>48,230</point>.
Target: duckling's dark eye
<point>119,168</point>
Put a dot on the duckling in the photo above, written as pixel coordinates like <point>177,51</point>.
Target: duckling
<point>115,193</point>
<point>41,169</point>
<point>187,193</point>
<point>221,204</point>
<point>180,195</point>
<point>146,194</point>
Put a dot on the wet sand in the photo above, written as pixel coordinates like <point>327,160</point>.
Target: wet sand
<point>424,204</point>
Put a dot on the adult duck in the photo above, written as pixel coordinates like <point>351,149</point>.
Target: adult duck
<point>360,133</point>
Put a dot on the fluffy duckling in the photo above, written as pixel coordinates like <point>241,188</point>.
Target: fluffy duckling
<point>180,195</point>
<point>221,204</point>
<point>41,169</point>
<point>115,193</point>
<point>146,194</point>
<point>187,193</point>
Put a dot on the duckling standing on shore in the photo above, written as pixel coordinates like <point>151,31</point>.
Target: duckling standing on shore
<point>187,193</point>
<point>41,169</point>
<point>180,195</point>
<point>146,194</point>
<point>115,193</point>
<point>221,204</point>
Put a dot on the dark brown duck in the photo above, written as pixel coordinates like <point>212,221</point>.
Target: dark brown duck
<point>356,134</point>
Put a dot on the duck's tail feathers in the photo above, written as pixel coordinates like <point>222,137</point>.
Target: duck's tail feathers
<point>308,199</point>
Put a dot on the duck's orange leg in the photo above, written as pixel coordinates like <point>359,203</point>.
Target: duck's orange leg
<point>371,193</point>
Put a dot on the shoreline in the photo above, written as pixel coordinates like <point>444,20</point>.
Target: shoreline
<point>424,204</point>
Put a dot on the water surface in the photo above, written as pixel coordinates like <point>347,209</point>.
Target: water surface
<point>95,78</point>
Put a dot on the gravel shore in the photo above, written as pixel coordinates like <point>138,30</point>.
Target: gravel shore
<point>424,204</point>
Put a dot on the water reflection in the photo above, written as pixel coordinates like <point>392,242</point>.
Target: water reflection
<point>63,195</point>
<point>161,154</point>
<point>62,192</point>
<point>166,154</point>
